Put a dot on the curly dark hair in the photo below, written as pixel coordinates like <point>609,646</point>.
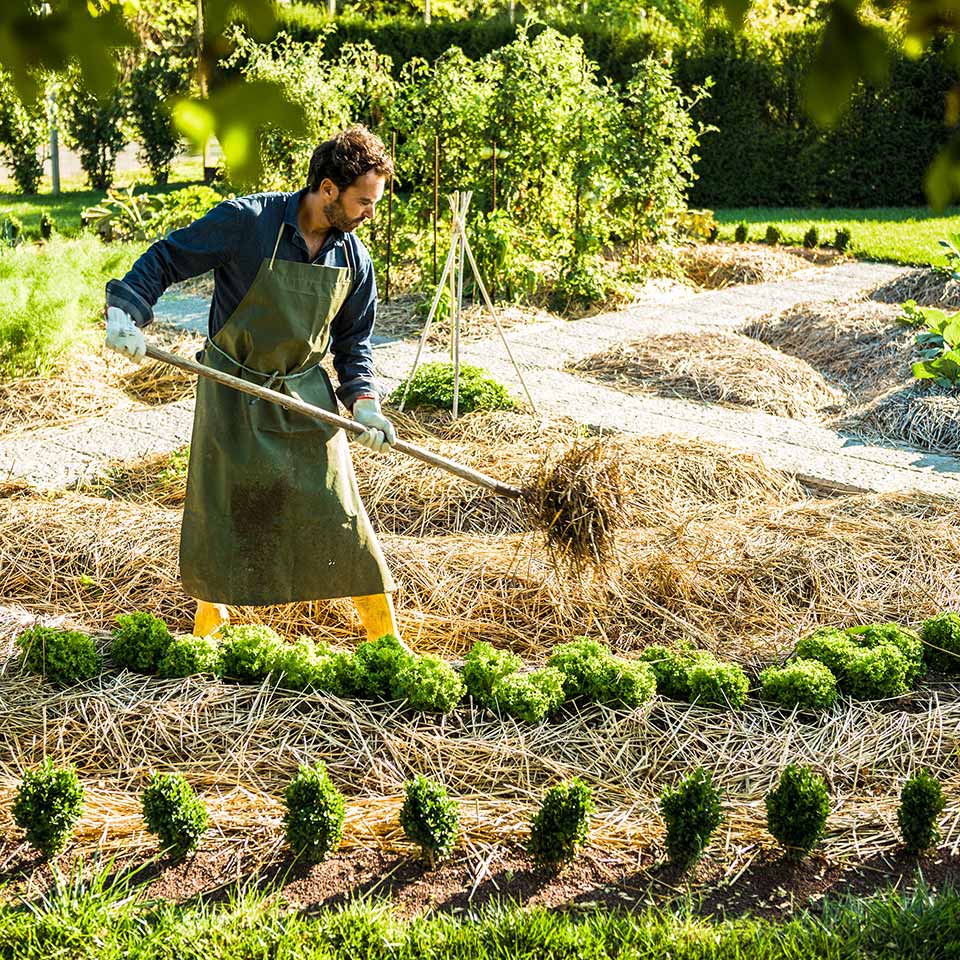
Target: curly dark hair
<point>348,155</point>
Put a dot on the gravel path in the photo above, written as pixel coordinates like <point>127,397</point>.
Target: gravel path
<point>58,457</point>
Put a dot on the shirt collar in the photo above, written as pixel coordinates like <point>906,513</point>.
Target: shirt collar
<point>290,212</point>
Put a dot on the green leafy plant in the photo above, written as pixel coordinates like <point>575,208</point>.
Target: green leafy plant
<point>60,656</point>
<point>671,668</point>
<point>23,129</point>
<point>11,229</point>
<point>530,697</point>
<point>432,386</point>
<point>876,673</point>
<point>829,646</point>
<point>774,235</point>
<point>94,128</point>
<point>841,239</point>
<point>298,664</point>
<point>187,656</point>
<point>140,641</point>
<point>154,84</point>
<point>314,815</point>
<point>937,343</point>
<point>174,813</point>
<point>561,824</point>
<point>626,683</point>
<point>248,652</point>
<point>713,683</point>
<point>429,817</point>
<point>741,233</point>
<point>376,664</point>
<point>581,283</point>
<point>941,638</point>
<point>583,663</point>
<point>806,684</point>
<point>908,642</point>
<point>47,225</point>
<point>47,805</point>
<point>336,674</point>
<point>692,812</point>
<point>797,810</point>
<point>124,216</point>
<point>811,238</point>
<point>484,667</point>
<point>429,684</point>
<point>921,803</point>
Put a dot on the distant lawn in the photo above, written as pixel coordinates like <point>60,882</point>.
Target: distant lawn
<point>908,235</point>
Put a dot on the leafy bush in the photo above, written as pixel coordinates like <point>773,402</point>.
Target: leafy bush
<point>626,683</point>
<point>432,386</point>
<point>692,812</point>
<point>429,817</point>
<point>774,235</point>
<point>671,668</point>
<point>153,86</point>
<point>376,665</point>
<point>174,813</point>
<point>60,656</point>
<point>314,814</point>
<point>876,673</point>
<point>921,803</point>
<point>126,215</point>
<point>908,642</point>
<point>583,662</point>
<point>188,655</point>
<point>941,637</point>
<point>742,232</point>
<point>11,229</point>
<point>336,675</point>
<point>140,641</point>
<point>811,238</point>
<point>561,824</point>
<point>48,805</point>
<point>831,647</point>
<point>47,225</point>
<point>797,810</point>
<point>841,239</point>
<point>937,342</point>
<point>23,130</point>
<point>530,697</point>
<point>94,128</point>
<point>581,283</point>
<point>719,684</point>
<point>484,667</point>
<point>298,664</point>
<point>248,652</point>
<point>429,684</point>
<point>806,684</point>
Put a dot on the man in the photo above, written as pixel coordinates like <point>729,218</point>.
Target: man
<point>272,512</point>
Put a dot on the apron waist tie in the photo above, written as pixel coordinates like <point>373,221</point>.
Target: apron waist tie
<point>275,377</point>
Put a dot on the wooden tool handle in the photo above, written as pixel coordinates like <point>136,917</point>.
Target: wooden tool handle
<point>333,419</point>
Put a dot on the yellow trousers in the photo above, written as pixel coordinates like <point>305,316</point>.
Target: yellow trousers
<point>376,614</point>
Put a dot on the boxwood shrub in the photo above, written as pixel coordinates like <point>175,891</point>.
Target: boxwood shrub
<point>692,812</point>
<point>921,803</point>
<point>315,810</point>
<point>797,809</point>
<point>561,824</point>
<point>429,817</point>
<point>47,805</point>
<point>174,813</point>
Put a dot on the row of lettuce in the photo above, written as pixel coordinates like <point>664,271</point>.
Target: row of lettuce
<point>878,661</point>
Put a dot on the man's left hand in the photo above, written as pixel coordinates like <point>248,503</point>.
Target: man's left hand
<point>379,435</point>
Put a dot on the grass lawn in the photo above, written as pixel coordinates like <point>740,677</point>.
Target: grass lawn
<point>908,235</point>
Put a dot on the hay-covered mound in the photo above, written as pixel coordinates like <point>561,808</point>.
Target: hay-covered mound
<point>718,367</point>
<point>715,265</point>
<point>854,343</point>
<point>929,287</point>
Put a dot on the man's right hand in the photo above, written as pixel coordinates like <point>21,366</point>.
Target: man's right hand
<point>124,336</point>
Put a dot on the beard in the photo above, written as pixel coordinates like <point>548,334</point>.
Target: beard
<point>337,217</point>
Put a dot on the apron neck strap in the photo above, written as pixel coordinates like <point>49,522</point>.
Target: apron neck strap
<point>277,244</point>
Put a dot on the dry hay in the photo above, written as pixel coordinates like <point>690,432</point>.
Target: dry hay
<point>154,382</point>
<point>240,745</point>
<point>716,265</point>
<point>929,287</point>
<point>856,343</point>
<point>745,586</point>
<point>718,367</point>
<point>924,416</point>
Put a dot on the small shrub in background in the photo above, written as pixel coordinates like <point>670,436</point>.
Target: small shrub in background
<point>941,639</point>
<point>429,684</point>
<point>48,805</point>
<point>314,814</point>
<point>773,236</point>
<point>47,225</point>
<point>876,673</point>
<point>174,813</point>
<point>713,233</point>
<point>60,656</point>
<point>806,684</point>
<point>532,696</point>
<point>692,812</point>
<point>811,238</point>
<point>429,817</point>
<point>484,667</point>
<point>742,232</point>
<point>713,683</point>
<point>841,239</point>
<point>11,229</point>
<point>297,664</point>
<point>140,641</point>
<point>561,824</point>
<point>248,652</point>
<point>921,803</point>
<point>797,809</point>
<point>93,127</point>
<point>376,664</point>
<point>188,656</point>
<point>432,386</point>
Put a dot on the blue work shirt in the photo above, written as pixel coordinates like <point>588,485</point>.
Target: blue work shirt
<point>233,239</point>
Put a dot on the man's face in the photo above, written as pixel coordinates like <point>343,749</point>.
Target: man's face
<point>349,207</point>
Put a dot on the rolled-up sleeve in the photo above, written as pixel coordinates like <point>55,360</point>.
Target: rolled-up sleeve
<point>203,245</point>
<point>350,338</point>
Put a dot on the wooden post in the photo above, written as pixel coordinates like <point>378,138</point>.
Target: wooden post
<point>436,199</point>
<point>386,285</point>
<point>494,191</point>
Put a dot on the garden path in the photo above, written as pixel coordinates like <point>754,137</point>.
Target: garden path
<point>60,456</point>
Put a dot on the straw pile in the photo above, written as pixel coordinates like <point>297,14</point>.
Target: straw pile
<point>716,265</point>
<point>717,367</point>
<point>929,287</point>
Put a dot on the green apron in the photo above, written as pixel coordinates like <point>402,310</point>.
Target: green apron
<point>272,512</point>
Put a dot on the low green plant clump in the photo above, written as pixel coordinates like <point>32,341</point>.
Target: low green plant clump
<point>591,671</point>
<point>484,667</point>
<point>429,684</point>
<point>803,684</point>
<point>921,803</point>
<point>173,811</point>
<point>60,656</point>
<point>908,642</point>
<point>671,668</point>
<point>741,233</point>
<point>248,652</point>
<point>941,639</point>
<point>797,810</point>
<point>561,824</point>
<point>773,236</point>
<point>829,646</point>
<point>376,665</point>
<point>47,225</point>
<point>876,673</point>
<point>714,683</point>
<point>298,664</point>
<point>811,238</point>
<point>530,697</point>
<point>48,805</point>
<point>692,813</point>
<point>187,656</point>
<point>11,229</point>
<point>429,817</point>
<point>841,239</point>
<point>432,386</point>
<point>140,641</point>
<point>315,809</point>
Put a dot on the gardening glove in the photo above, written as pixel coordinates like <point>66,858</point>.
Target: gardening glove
<point>379,434</point>
<point>124,336</point>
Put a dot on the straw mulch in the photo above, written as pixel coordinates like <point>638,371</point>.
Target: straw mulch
<point>854,343</point>
<point>717,367</point>
<point>929,287</point>
<point>716,265</point>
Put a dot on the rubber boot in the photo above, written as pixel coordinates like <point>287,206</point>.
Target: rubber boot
<point>378,616</point>
<point>210,617</point>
